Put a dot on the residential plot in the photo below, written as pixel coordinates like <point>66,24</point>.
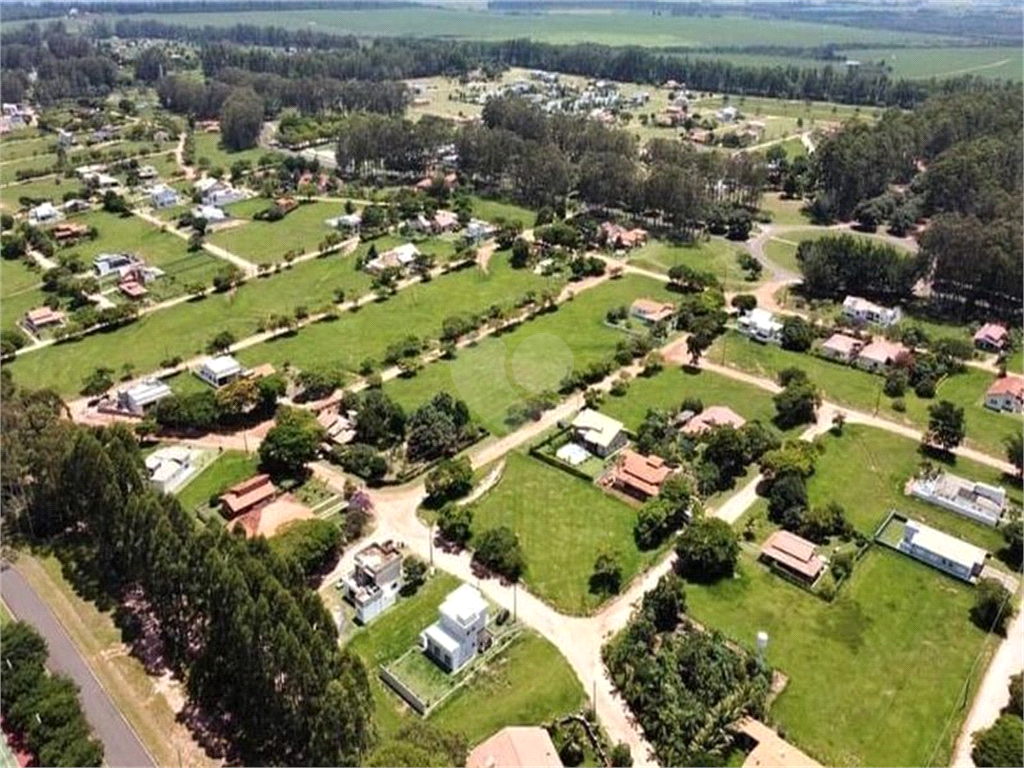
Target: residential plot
<point>563,524</point>
<point>499,371</point>
<point>783,211</point>
<point>208,145</point>
<point>782,248</point>
<point>716,255</point>
<point>19,291</point>
<point>529,683</point>
<point>229,468</point>
<point>265,242</point>
<point>895,647</point>
<point>491,210</point>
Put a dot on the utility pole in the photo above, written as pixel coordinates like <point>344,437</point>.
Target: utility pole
<point>431,544</point>
<point>515,603</point>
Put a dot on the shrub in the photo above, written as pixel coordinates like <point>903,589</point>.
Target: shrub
<point>707,550</point>
<point>899,405</point>
<point>499,550</point>
<point>993,606</point>
<point>455,523</point>
<point>1001,744</point>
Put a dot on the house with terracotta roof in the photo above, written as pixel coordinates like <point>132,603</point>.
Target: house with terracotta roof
<point>616,236</point>
<point>515,746</point>
<point>638,475</point>
<point>795,555</point>
<point>991,337</point>
<point>841,348</point>
<point>879,355</point>
<point>69,232</point>
<point>131,289</point>
<point>1006,394</point>
<point>43,317</point>
<point>709,418</point>
<point>247,496</point>
<point>444,221</point>
<point>649,311</point>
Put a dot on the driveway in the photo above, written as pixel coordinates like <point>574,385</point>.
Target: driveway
<point>121,746</point>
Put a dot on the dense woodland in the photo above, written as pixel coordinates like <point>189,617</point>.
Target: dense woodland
<point>255,646</point>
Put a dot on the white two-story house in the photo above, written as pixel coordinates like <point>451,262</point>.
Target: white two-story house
<point>453,640</point>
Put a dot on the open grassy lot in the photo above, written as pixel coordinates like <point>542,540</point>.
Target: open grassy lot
<point>208,146</point>
<point>858,389</point>
<point>229,468</point>
<point>784,211</point>
<point>865,470</point>
<point>716,255</point>
<point>9,171</point>
<point>50,188</point>
<point>499,371</point>
<point>1015,363</point>
<point>19,291</point>
<point>782,248</point>
<point>417,310</point>
<point>159,249</point>
<point>669,388</point>
<point>18,150</point>
<point>185,329</point>
<point>491,210</point>
<point>264,242</point>
<point>896,646</point>
<point>528,684</point>
<point>563,523</point>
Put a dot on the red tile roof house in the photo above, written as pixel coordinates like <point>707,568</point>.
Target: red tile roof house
<point>638,475</point>
<point>709,418</point>
<point>991,337</point>
<point>650,311</point>
<point>247,496</point>
<point>879,355</point>
<point>841,347</point>
<point>131,289</point>
<point>43,317</point>
<point>1006,394</point>
<point>793,554</point>
<point>515,746</point>
<point>620,237</point>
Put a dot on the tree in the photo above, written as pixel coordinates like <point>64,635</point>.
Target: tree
<point>666,602</point>
<point>291,442</point>
<point>787,500</point>
<point>796,404</point>
<point>744,302</point>
<point>221,343</point>
<point>449,480</point>
<point>380,421</point>
<point>1015,450</point>
<point>607,576</point>
<point>241,119</point>
<point>499,550</point>
<point>313,544</point>
<point>620,756</point>
<point>414,572</point>
<point>520,253</point>
<point>707,550</point>
<point>455,523</point>
<point>946,427</point>
<point>1013,552</point>
<point>99,381</point>
<point>362,460</point>
<point>1001,744</point>
<point>797,334</point>
<point>993,606</point>
<point>697,344</point>
<point>1016,705</point>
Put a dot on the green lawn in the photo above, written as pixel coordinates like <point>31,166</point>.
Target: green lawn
<point>1015,363</point>
<point>229,468</point>
<point>50,188</point>
<point>782,248</point>
<point>19,291</point>
<point>265,242</point>
<point>784,211</point>
<point>185,329</point>
<point>208,146</point>
<point>563,523</point>
<point>418,310</point>
<point>159,249</point>
<point>18,150</point>
<point>9,171</point>
<point>529,683</point>
<point>858,389</point>
<point>490,210</point>
<point>668,389</point>
<point>716,255</point>
<point>498,371</point>
<point>866,469</point>
<point>895,648</point>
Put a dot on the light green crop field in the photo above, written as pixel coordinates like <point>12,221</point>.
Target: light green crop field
<point>499,371</point>
<point>563,524</point>
<point>855,670</point>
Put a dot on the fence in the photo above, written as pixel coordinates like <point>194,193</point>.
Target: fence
<point>541,451</point>
<point>402,690</point>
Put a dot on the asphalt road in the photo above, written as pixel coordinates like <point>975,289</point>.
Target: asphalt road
<point>121,746</point>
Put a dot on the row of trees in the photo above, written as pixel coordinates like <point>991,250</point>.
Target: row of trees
<point>257,649</point>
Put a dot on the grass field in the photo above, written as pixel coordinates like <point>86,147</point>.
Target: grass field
<point>563,524</point>
<point>783,212</point>
<point>716,255</point>
<point>19,291</point>
<point>264,242</point>
<point>51,188</point>
<point>528,684</point>
<point>857,668</point>
<point>782,248</point>
<point>491,210</point>
<point>865,470</point>
<point>208,146</point>
<point>861,390</point>
<point>131,234</point>
<point>18,150</point>
<point>498,371</point>
<point>229,468</point>
<point>418,310</point>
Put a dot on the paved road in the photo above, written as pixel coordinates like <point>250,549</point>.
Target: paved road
<point>121,745</point>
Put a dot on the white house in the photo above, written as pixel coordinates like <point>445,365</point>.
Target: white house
<point>65,138</point>
<point>44,213</point>
<point>400,257</point>
<point>863,311</point>
<point>1006,394</point>
<point>218,371</point>
<point>348,221</point>
<point>205,184</point>
<point>147,172</point>
<point>454,639</point>
<point>373,585</point>
<point>599,434</point>
<point>136,399</point>
<point>219,193</point>
<point>110,263</point>
<point>162,196</point>
<point>945,552</point>
<point>211,213</point>
<point>978,501</point>
<point>727,114</point>
<point>170,467</point>
<point>760,325</point>
<point>477,230</point>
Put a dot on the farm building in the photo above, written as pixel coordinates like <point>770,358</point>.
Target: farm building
<point>170,467</point>
<point>709,418</point>
<point>841,348</point>
<point>638,475</point>
<point>879,355</point>
<point>43,317</point>
<point>760,325</point>
<point>991,337</point>
<point>650,312</point>
<point>139,397</point>
<point>945,552</point>
<point>795,555</point>
<point>247,496</point>
<point>218,371</point>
